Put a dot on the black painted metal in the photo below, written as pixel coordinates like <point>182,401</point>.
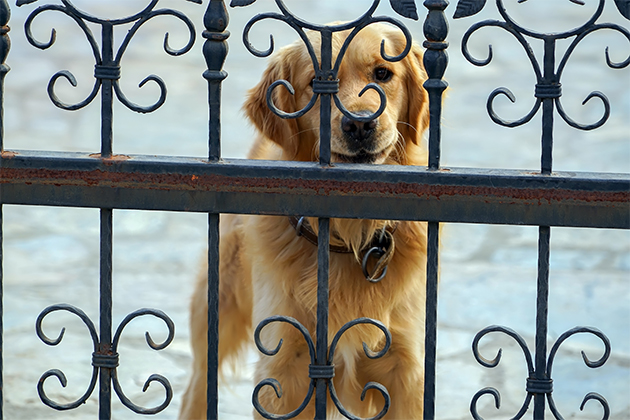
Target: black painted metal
<point>215,51</point>
<point>107,66</point>
<point>539,378</point>
<point>107,73</point>
<point>1,315</point>
<point>326,83</point>
<point>435,61</point>
<point>104,359</point>
<point>548,91</point>
<point>213,316</point>
<point>430,339</point>
<point>105,311</point>
<point>210,185</point>
<point>325,86</point>
<point>321,347</point>
<point>5,45</point>
<point>289,188</point>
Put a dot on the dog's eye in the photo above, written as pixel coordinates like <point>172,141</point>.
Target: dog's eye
<point>382,74</point>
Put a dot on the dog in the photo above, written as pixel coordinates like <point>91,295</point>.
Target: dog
<point>267,269</point>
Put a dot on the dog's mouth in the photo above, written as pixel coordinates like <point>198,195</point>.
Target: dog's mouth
<point>361,157</point>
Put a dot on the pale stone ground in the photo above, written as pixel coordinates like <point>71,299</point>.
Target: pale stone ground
<point>488,272</point>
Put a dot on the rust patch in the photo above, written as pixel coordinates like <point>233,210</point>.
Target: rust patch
<point>110,160</point>
<point>8,154</point>
<point>226,183</point>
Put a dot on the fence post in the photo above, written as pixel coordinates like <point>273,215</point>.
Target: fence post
<point>5,45</point>
<point>435,62</point>
<point>107,89</point>
<point>215,50</point>
<point>105,351</point>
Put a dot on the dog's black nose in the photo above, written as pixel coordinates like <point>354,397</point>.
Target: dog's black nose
<point>358,130</point>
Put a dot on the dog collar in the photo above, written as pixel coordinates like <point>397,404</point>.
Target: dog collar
<point>382,246</point>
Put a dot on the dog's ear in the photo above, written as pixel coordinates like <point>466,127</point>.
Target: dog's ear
<point>417,96</point>
<point>282,131</point>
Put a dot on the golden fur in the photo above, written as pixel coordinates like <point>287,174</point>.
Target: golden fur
<point>266,269</point>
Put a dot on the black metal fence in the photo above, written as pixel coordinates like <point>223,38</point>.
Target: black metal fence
<point>214,185</point>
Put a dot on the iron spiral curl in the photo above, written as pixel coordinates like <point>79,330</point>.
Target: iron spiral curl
<point>106,67</point>
<point>273,382</point>
<point>313,362</point>
<point>56,372</point>
<point>494,363</point>
<point>370,354</point>
<point>155,346</point>
<point>324,78</point>
<point>588,362</point>
<point>548,85</point>
<point>103,361</point>
<point>548,390</point>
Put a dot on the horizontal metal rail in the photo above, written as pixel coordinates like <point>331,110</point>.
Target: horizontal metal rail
<point>298,188</point>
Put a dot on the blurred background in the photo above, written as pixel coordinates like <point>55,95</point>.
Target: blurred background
<point>488,273</point>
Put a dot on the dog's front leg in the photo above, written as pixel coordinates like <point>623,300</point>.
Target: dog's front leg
<point>289,367</point>
<point>401,371</point>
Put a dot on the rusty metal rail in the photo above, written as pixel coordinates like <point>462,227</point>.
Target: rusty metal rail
<point>288,188</point>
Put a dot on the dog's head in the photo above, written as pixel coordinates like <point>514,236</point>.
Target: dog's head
<point>393,137</point>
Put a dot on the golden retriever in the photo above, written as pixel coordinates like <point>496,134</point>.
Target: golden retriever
<point>267,269</point>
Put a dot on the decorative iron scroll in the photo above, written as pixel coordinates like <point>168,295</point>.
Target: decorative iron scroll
<point>215,50</point>
<point>536,386</point>
<point>325,86</point>
<point>316,371</point>
<point>5,45</point>
<point>107,72</point>
<point>108,360</point>
<point>107,68</point>
<point>326,83</point>
<point>548,89</point>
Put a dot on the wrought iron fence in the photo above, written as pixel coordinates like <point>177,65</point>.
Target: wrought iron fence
<point>214,185</point>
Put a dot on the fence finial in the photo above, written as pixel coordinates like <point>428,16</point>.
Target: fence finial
<point>5,45</point>
<point>435,62</point>
<point>215,51</point>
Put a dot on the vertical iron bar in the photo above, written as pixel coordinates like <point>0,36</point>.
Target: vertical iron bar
<point>542,305</point>
<point>323,256</point>
<point>107,103</point>
<point>430,339</point>
<point>435,61</point>
<point>1,316</point>
<point>105,345</point>
<point>213,316</point>
<point>323,266</point>
<point>5,45</point>
<point>325,100</point>
<point>549,78</point>
<point>215,50</point>
<point>547,136</point>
